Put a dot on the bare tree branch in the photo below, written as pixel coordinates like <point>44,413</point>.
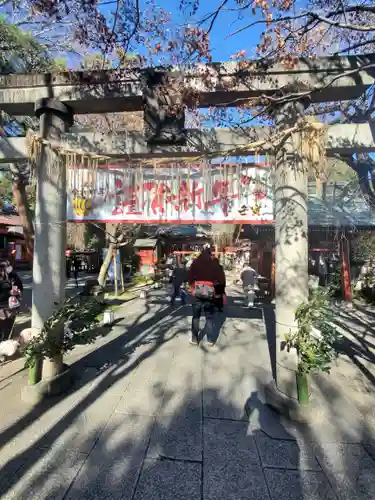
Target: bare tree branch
<point>338,24</point>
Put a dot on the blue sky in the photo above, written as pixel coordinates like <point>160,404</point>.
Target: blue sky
<point>226,23</point>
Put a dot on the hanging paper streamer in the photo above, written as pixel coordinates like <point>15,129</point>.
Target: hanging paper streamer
<point>169,193</point>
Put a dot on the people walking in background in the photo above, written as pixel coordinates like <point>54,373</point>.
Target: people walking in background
<point>249,278</point>
<point>68,268</point>
<point>248,275</point>
<point>220,290</point>
<point>76,271</point>
<point>204,274</point>
<point>179,277</point>
<point>323,271</point>
<point>10,283</point>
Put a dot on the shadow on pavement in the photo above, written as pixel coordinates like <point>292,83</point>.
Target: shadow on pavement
<point>155,418</point>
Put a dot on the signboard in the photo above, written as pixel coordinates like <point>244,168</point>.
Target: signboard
<point>185,194</point>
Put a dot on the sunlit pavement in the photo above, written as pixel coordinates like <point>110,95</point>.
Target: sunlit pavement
<point>151,417</point>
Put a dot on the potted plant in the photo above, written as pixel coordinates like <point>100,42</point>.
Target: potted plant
<point>314,340</point>
<point>72,324</point>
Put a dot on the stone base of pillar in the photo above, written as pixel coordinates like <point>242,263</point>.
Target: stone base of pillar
<point>52,386</point>
<point>52,367</point>
<point>286,367</point>
<point>286,382</point>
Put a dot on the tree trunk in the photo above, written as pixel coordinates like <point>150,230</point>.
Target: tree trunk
<point>122,275</point>
<point>115,271</point>
<point>22,204</point>
<point>102,278</point>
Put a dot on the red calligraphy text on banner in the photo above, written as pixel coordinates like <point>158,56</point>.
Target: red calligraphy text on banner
<point>118,210</point>
<point>221,194</point>
<point>131,201</point>
<point>183,197</point>
<point>148,186</point>
<point>258,195</point>
<point>196,195</point>
<point>246,180</point>
<point>158,203</point>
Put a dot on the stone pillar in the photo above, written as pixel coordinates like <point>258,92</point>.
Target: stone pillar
<point>291,241</point>
<point>49,272</point>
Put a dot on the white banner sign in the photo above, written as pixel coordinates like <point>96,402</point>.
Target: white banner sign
<point>187,194</point>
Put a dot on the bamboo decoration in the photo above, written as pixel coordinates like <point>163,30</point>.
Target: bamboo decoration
<point>95,186</point>
<point>136,176</point>
<point>157,183</point>
<point>115,271</point>
<point>122,276</point>
<point>142,192</point>
<point>174,185</point>
<point>178,187</point>
<point>223,171</point>
<point>107,182</point>
<point>201,167</point>
<point>162,191</point>
<point>189,190</point>
<point>239,182</point>
<point>206,167</point>
<point>210,180</point>
<point>247,184</point>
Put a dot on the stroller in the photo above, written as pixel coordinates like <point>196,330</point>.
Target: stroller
<point>9,310</point>
<point>8,314</point>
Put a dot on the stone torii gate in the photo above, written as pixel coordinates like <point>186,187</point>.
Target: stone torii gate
<point>56,98</point>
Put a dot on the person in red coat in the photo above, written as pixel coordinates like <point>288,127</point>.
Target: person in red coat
<point>205,276</point>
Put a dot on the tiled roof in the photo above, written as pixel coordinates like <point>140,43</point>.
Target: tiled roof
<point>10,220</point>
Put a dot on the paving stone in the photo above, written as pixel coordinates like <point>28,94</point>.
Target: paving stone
<point>263,418</point>
<point>184,385</point>
<point>113,466</point>
<point>113,481</point>
<point>44,477</point>
<point>162,382</point>
<point>350,469</point>
<point>223,401</point>
<point>235,480</point>
<point>231,463</point>
<point>298,485</point>
<point>341,457</point>
<point>284,454</point>
<point>126,433</point>
<point>229,375</point>
<point>169,480</point>
<point>360,487</point>
<point>144,394</point>
<point>79,431</point>
<point>224,439</point>
<point>178,436</point>
<point>10,463</point>
<point>28,429</point>
<point>370,450</point>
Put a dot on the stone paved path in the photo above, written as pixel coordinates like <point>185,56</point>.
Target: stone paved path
<point>151,417</point>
